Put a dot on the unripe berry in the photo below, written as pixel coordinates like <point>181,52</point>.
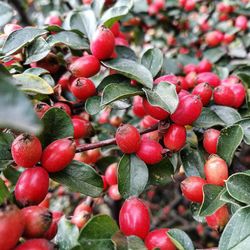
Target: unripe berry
<point>85,66</point>
<point>113,193</point>
<point>209,77</point>
<point>26,150</point>
<point>223,95</point>
<point>210,140</point>
<point>36,244</point>
<point>150,151</point>
<point>158,239</point>
<point>57,155</point>
<point>191,188</point>
<point>134,218</point>
<point>155,111</point>
<point>175,137</point>
<point>103,43</point>
<point>65,107</point>
<point>219,218</point>
<point>27,190</point>
<point>111,174</point>
<point>216,170</point>
<point>204,91</point>
<point>83,88</point>
<point>128,138</point>
<point>82,128</point>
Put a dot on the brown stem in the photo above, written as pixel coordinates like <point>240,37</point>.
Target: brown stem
<point>85,147</point>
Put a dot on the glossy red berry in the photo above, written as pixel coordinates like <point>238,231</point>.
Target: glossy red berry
<point>175,137</point>
<point>113,193</point>
<point>210,140</point>
<point>223,95</point>
<point>204,91</point>
<point>216,170</point>
<point>134,218</point>
<point>65,107</point>
<point>82,128</point>
<point>27,189</point>
<point>158,239</point>
<point>150,151</point>
<point>111,174</point>
<point>241,22</point>
<point>103,43</point>
<point>219,218</point>
<point>239,94</point>
<point>26,150</point>
<point>191,188</point>
<point>37,221</point>
<point>190,80</point>
<point>85,66</point>
<point>170,78</point>
<point>81,215</point>
<point>154,111</point>
<point>115,29</point>
<point>188,110</point>
<point>209,77</point>
<point>213,38</point>
<point>57,155</point>
<point>41,108</point>
<point>137,107</point>
<point>204,66</point>
<point>189,68</point>
<point>228,38</point>
<point>83,88</point>
<point>11,226</point>
<point>148,121</point>
<point>128,138</point>
<point>36,244</point>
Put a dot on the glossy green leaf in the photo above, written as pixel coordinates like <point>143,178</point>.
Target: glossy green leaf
<point>97,233</point>
<point>229,140</point>
<point>6,13</point>
<point>18,111</point>
<point>180,239</point>
<point>152,59</point>
<point>132,70</point>
<point>57,125</point>
<point>211,201</point>
<point>245,124</point>
<point>132,176</point>
<point>236,235</point>
<point>93,105</point>
<point>81,178</point>
<point>20,38</point>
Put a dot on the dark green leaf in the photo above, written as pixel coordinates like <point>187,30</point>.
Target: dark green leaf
<point>226,197</point>
<point>245,124</point>
<point>164,95</point>
<point>132,70</point>
<point>152,59</point>
<point>132,176</point>
<point>19,38</point>
<point>81,178</point>
<point>126,53</point>
<point>97,233</point>
<point>5,146</point>
<point>11,174</point>
<point>229,140</point>
<point>93,105</point>
<point>4,192</point>
<point>6,13</point>
<point>214,54</point>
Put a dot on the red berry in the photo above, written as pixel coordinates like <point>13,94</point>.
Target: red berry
<point>241,22</point>
<point>204,66</point>
<point>10,27</point>
<point>65,80</point>
<point>103,43</point>
<point>83,88</point>
<point>190,5</point>
<point>213,38</point>
<point>41,108</point>
<point>158,239</point>
<point>57,155</point>
<point>150,151</point>
<point>26,150</point>
<point>148,121</point>
<point>85,66</point>
<point>134,218</point>
<point>37,221</point>
<point>175,137</point>
<point>189,68</point>
<point>239,94</point>
<point>128,138</point>
<point>11,226</point>
<point>170,79</point>
<point>115,29</point>
<point>50,63</point>
<point>191,188</point>
<point>113,193</point>
<point>137,107</point>
<point>35,244</point>
<point>105,183</point>
<point>204,91</point>
<point>211,78</point>
<point>188,110</point>
<point>65,107</point>
<point>82,128</point>
<point>190,80</point>
<point>81,215</point>
<point>119,41</point>
<point>155,111</point>
<point>27,190</point>
<point>111,174</point>
<point>210,140</point>
<point>52,231</point>
<point>216,170</point>
<point>219,218</point>
<point>228,38</point>
<point>53,20</point>
<point>223,95</point>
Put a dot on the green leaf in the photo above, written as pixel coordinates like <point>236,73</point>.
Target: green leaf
<point>93,105</point>
<point>11,174</point>
<point>180,239</point>
<point>227,198</point>
<point>214,54</point>
<point>238,186</point>
<point>192,161</point>
<point>37,50</point>
<point>5,146</point>
<point>152,59</point>
<point>131,70</point>
<point>170,66</point>
<point>245,124</point>
<point>186,59</point>
<point>31,83</point>
<point>161,173</point>
<point>69,38</point>
<point>126,53</point>
<point>20,38</point>
<point>132,176</point>
<point>118,91</point>
<point>6,13</point>
<point>211,201</point>
<point>229,140</point>
<point>236,235</point>
<point>66,229</point>
<point>57,125</point>
<point>4,192</point>
<point>163,95</point>
<point>17,112</point>
<point>81,178</point>
<point>97,233</point>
